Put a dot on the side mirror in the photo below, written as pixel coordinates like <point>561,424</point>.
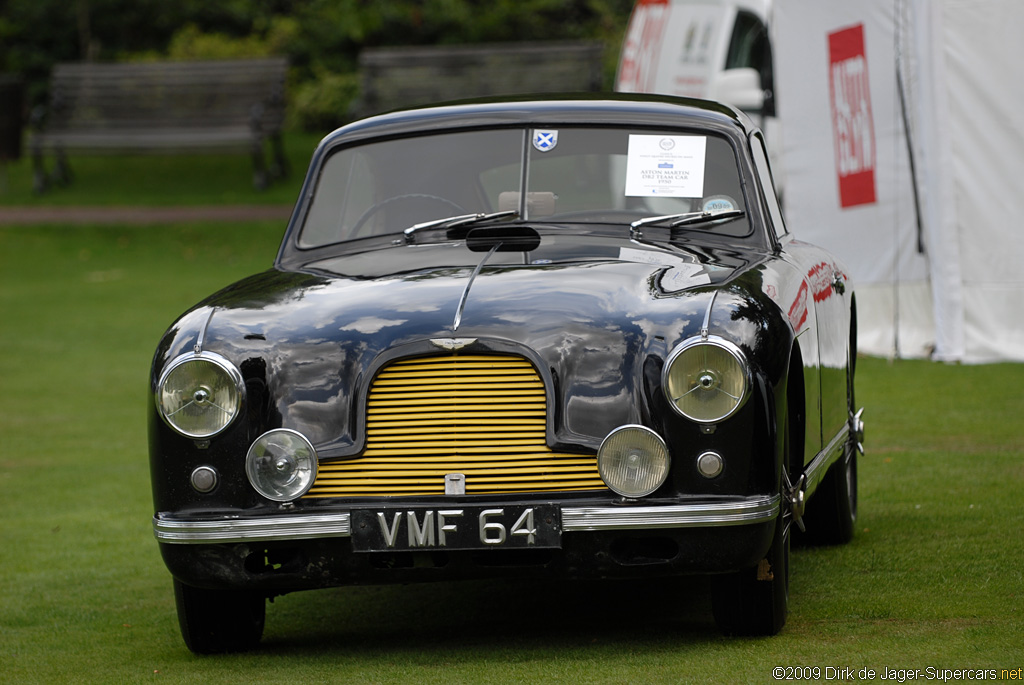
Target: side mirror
<point>740,88</point>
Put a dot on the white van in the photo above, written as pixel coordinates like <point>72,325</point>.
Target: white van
<point>712,49</point>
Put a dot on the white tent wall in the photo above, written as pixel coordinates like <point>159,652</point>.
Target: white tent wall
<point>922,63</point>
<point>964,299</point>
<point>877,240</point>
<point>983,73</point>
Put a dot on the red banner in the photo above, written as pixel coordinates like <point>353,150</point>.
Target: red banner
<point>853,126</point>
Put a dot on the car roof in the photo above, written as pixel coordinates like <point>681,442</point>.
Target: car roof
<point>576,109</point>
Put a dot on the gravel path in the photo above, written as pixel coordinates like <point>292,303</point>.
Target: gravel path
<point>140,215</point>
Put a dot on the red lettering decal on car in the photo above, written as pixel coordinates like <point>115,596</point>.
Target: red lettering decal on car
<point>798,310</point>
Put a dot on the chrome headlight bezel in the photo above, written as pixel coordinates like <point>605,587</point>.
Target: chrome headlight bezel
<point>234,382</point>
<point>737,364</point>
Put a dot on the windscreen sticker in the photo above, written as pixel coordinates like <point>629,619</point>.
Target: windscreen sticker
<point>718,203</point>
<point>665,166</point>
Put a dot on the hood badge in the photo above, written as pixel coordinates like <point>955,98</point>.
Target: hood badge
<point>452,344</point>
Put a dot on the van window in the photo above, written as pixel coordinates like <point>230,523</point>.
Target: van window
<point>750,47</point>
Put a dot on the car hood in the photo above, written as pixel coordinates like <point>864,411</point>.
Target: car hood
<point>597,324</point>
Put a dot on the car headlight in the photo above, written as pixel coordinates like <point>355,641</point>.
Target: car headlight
<point>199,395</point>
<point>633,461</point>
<point>706,379</point>
<point>281,465</point>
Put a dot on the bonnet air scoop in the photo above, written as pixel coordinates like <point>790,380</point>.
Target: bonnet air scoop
<point>503,238</point>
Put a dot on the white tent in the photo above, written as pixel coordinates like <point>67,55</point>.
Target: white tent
<point>939,271</point>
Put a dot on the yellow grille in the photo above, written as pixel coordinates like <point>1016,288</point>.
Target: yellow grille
<point>480,416</point>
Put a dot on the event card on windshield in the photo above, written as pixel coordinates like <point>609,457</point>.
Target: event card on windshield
<point>667,166</point>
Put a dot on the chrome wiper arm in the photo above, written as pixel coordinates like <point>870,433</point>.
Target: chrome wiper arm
<point>659,219</point>
<point>461,220</point>
<point>685,219</point>
<point>707,217</point>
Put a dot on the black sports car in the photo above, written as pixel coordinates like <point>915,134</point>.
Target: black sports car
<point>549,338</point>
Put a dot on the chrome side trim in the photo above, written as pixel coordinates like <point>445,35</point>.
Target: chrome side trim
<point>815,471</point>
<point>749,510</point>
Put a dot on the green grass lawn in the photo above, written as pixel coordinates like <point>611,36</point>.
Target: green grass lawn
<point>159,180</point>
<point>933,577</point>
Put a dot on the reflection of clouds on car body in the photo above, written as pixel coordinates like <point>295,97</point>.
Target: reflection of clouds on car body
<point>371,324</point>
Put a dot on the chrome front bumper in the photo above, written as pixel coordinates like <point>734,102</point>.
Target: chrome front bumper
<point>734,512</point>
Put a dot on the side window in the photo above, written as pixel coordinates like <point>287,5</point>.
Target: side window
<point>767,184</point>
<point>749,46</point>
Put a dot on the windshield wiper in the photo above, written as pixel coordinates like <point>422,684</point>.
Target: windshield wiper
<point>461,220</point>
<point>687,218</point>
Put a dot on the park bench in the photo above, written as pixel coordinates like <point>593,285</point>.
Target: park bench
<point>162,108</point>
<point>396,77</point>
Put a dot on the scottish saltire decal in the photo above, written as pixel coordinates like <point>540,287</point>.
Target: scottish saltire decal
<point>545,141</point>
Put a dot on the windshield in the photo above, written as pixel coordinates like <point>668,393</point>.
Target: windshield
<point>566,175</point>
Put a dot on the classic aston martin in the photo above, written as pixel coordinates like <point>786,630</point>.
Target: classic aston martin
<point>564,338</point>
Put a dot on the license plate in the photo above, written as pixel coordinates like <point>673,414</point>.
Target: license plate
<point>456,528</point>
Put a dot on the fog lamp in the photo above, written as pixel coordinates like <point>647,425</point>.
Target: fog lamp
<point>281,465</point>
<point>199,395</point>
<point>706,380</point>
<point>633,461</point>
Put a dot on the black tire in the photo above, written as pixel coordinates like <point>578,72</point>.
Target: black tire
<point>215,621</point>
<point>832,512</point>
<point>755,601</point>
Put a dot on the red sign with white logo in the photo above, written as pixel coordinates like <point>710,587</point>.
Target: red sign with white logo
<point>853,126</point>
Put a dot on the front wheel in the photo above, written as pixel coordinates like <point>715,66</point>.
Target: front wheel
<point>214,621</point>
<point>755,601</point>
<point>832,512</point>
